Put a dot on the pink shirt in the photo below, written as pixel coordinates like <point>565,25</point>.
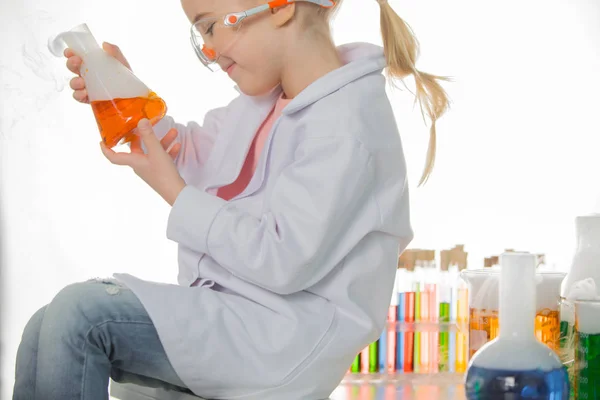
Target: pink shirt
<point>230,191</point>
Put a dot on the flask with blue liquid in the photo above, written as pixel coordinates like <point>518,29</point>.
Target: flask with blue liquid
<point>516,365</point>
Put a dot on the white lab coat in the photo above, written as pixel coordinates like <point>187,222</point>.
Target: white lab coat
<point>297,271</point>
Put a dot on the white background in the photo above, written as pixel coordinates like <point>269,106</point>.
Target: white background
<point>517,152</point>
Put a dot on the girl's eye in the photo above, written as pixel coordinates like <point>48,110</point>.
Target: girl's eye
<point>210,29</point>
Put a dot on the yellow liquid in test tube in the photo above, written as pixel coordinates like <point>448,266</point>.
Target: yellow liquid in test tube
<point>462,318</point>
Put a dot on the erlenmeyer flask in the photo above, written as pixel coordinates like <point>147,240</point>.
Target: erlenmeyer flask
<point>585,264</point>
<point>118,98</point>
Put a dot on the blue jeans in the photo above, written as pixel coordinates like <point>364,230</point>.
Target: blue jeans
<point>90,332</point>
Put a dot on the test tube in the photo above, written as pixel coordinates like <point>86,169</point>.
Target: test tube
<point>400,334</point>
<point>364,360</point>
<point>454,279</point>
<point>419,289</point>
<point>355,368</point>
<point>462,356</point>
<point>387,342</point>
<point>401,278</point>
<point>425,355</point>
<point>408,285</point>
<point>373,353</point>
<point>444,335</point>
<point>382,348</point>
<point>433,313</point>
<point>409,335</point>
<point>462,348</point>
<point>391,332</point>
<point>445,299</point>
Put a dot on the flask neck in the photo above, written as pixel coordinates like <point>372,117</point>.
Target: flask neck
<point>80,39</point>
<point>588,241</point>
<point>588,232</point>
<point>517,302</point>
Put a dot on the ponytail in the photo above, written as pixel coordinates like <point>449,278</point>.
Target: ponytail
<point>401,50</point>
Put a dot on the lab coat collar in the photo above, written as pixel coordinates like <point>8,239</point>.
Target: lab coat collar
<point>360,59</point>
<point>225,164</point>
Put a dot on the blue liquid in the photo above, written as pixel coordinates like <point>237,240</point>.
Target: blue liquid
<point>493,384</point>
<point>383,351</point>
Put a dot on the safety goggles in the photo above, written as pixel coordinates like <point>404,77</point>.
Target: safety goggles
<point>212,36</point>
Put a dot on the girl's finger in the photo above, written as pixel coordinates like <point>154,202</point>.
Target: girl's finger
<point>128,159</point>
<point>169,138</point>
<point>81,96</point>
<point>115,51</point>
<point>146,134</point>
<point>175,150</point>
<point>136,145</point>
<point>74,64</point>
<point>77,83</point>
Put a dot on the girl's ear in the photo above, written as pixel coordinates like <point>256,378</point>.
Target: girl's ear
<point>283,15</point>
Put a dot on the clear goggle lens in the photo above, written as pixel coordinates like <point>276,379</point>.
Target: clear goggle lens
<point>212,36</point>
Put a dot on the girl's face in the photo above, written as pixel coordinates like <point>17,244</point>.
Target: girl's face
<point>252,54</point>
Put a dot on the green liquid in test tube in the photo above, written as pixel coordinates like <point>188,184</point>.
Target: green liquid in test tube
<point>444,337</point>
<point>373,359</point>
<point>355,369</point>
<point>417,341</point>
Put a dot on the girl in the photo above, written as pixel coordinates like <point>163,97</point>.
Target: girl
<point>290,207</point>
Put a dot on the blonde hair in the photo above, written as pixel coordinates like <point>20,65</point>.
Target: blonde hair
<point>401,50</point>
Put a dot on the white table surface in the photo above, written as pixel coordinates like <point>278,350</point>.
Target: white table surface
<point>399,387</point>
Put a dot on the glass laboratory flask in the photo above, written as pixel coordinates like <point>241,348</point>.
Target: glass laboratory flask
<point>585,264</point>
<point>586,369</point>
<point>516,365</point>
<point>118,98</point>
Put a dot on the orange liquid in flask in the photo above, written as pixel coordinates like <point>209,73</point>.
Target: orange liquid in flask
<point>547,328</point>
<point>486,324</point>
<point>117,118</point>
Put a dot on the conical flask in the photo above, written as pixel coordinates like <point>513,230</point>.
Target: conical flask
<point>118,98</point>
<point>585,264</point>
<point>516,365</point>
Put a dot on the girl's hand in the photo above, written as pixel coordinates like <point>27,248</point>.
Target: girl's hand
<point>156,167</point>
<point>166,142</point>
<point>74,65</point>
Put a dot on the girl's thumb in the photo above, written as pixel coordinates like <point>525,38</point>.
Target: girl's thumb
<point>115,52</point>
